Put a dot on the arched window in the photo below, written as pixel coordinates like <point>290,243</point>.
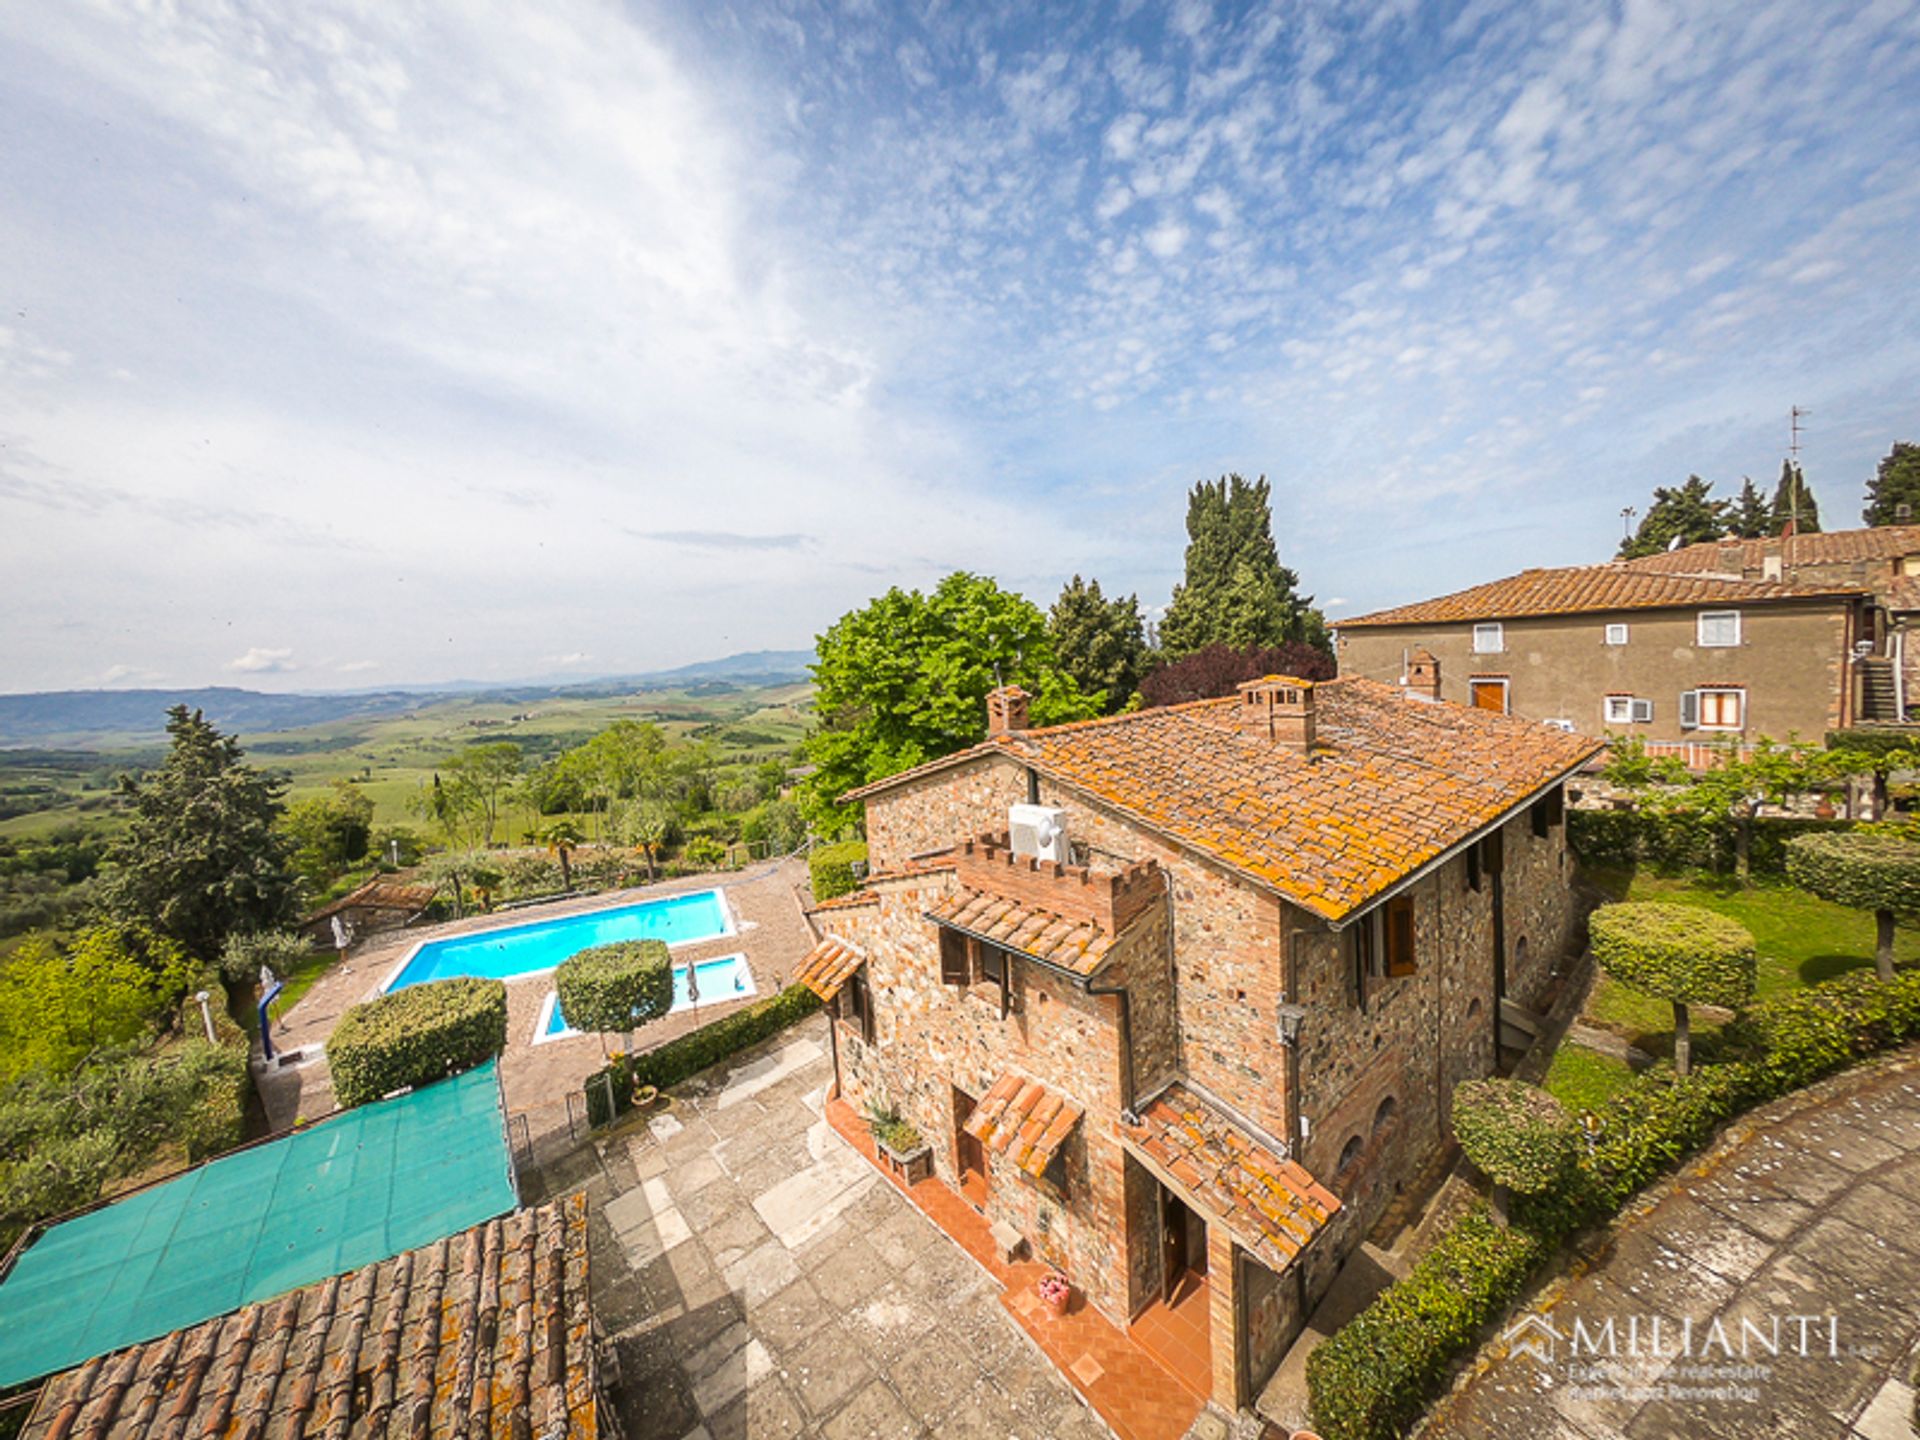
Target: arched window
<point>1520,953</point>
<point>1473,1007</point>
<point>1383,1117</point>
<point>1348,1155</point>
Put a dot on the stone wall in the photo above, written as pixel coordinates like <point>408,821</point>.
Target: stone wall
<point>942,809</point>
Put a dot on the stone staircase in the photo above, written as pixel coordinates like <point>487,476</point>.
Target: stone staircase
<point>1879,695</point>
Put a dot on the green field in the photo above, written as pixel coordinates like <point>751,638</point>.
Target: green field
<point>390,757</point>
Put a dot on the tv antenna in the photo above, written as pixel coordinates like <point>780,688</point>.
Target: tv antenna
<point>1795,415</point>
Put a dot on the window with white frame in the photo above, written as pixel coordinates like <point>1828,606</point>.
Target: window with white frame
<point>1718,628</point>
<point>1616,634</point>
<point>1722,709</point>
<point>1628,710</point>
<point>1489,638</point>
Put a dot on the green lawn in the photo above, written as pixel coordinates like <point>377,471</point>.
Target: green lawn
<point>1582,1079</point>
<point>1801,941</point>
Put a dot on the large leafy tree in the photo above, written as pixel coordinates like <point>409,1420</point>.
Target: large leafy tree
<point>1687,513</point>
<point>1793,500</point>
<point>1101,643</point>
<point>1750,518</point>
<point>1236,592</point>
<point>482,777</point>
<point>60,1002</point>
<point>1895,483</point>
<point>904,680</point>
<point>330,831</point>
<point>203,854</point>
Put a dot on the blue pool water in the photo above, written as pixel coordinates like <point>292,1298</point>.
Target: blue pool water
<point>727,978</point>
<point>542,944</point>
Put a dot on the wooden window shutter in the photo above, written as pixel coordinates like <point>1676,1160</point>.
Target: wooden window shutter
<point>954,966</point>
<point>1689,709</point>
<point>1400,958</point>
<point>866,1005</point>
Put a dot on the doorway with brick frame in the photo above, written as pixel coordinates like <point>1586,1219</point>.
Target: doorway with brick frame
<point>969,1154</point>
<point>1176,1327</point>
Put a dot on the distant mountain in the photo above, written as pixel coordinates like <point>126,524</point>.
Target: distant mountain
<point>76,718</point>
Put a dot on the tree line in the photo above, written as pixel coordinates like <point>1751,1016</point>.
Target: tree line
<point>1690,514</point>
<point>904,679</point>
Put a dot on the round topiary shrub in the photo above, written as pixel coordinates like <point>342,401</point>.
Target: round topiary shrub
<point>1684,954</point>
<point>416,1036</point>
<point>1516,1134</point>
<point>612,989</point>
<point>1863,871</point>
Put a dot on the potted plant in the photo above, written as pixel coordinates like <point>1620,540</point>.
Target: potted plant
<point>644,1096</point>
<point>1055,1292</point>
<point>900,1146</point>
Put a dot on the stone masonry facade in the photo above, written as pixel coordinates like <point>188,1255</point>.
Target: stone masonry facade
<point>1205,957</point>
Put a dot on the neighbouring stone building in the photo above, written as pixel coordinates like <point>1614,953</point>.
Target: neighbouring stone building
<point>1617,650</point>
<point>1198,1052</point>
<point>1883,560</point>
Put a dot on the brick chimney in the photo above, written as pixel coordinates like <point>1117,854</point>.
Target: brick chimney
<point>1007,710</point>
<point>1277,710</point>
<point>1423,675</point>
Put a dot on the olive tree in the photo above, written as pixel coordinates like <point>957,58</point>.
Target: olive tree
<point>1517,1134</point>
<point>1864,871</point>
<point>614,989</point>
<point>1684,954</point>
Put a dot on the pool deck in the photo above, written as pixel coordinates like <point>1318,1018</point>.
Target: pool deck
<point>770,930</point>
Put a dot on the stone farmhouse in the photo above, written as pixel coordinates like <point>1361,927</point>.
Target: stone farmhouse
<point>1884,561</point>
<point>1614,649</point>
<point>1177,998</point>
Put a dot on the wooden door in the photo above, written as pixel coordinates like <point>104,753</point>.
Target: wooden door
<point>1175,1254</point>
<point>970,1154</point>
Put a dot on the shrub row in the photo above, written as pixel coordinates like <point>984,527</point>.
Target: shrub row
<point>1373,1378</point>
<point>416,1036</point>
<point>831,868</point>
<point>676,1060</point>
<point>1685,842</point>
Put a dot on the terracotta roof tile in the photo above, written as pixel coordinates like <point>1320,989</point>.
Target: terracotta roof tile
<point>1583,589</point>
<point>1271,1206</point>
<point>1393,783</point>
<point>847,901</point>
<point>379,894</point>
<point>1075,945</point>
<point>828,966</point>
<point>487,1331</point>
<point>1833,547</point>
<point>1023,1120</point>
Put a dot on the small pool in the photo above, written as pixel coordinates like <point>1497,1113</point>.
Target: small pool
<point>537,946</point>
<point>727,978</point>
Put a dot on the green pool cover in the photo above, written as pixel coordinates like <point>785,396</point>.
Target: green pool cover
<point>361,1187</point>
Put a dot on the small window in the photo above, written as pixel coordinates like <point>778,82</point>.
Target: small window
<point>1489,639</point>
<point>1616,634</point>
<point>1473,867</point>
<point>1383,1117</point>
<point>1723,709</point>
<point>990,963</point>
<point>856,1004</point>
<point>1719,628</point>
<point>1398,924</point>
<point>1349,1155</point>
<point>1619,709</point>
<point>954,966</point>
<point>1548,811</point>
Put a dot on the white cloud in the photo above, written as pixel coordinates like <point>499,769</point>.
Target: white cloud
<point>262,660</point>
<point>1166,239</point>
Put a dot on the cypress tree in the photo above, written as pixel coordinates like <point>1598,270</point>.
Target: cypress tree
<point>1793,487</point>
<point>1236,591</point>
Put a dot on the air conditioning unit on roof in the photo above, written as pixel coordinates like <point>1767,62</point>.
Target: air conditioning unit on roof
<point>1039,830</point>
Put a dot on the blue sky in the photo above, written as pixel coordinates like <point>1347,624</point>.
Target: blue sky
<point>354,343</point>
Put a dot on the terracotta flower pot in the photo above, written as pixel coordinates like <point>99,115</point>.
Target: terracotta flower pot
<point>1058,1301</point>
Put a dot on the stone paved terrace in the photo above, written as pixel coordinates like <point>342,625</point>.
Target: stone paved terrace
<point>772,934</point>
<point>759,1278</point>
<point>1810,1206</point>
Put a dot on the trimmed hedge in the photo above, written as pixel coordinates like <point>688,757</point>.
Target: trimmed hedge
<point>416,1036</point>
<point>677,1060</point>
<point>1373,1378</point>
<point>1517,1134</point>
<point>1684,953</point>
<point>1686,841</point>
<point>611,989</point>
<point>830,868</point>
<point>1863,871</point>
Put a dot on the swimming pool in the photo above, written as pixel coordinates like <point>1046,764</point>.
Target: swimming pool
<point>727,978</point>
<point>514,951</point>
